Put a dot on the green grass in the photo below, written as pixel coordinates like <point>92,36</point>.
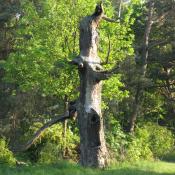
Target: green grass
<point>65,168</point>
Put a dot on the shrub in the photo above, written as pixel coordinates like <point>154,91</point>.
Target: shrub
<point>150,141</point>
<point>58,147</point>
<point>138,147</point>
<point>116,140</point>
<point>52,145</point>
<point>161,139</point>
<point>6,156</point>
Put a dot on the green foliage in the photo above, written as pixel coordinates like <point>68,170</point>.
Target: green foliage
<point>150,141</point>
<point>57,145</point>
<point>6,156</point>
<point>116,139</point>
<point>47,39</point>
<point>147,143</point>
<point>53,145</point>
<point>112,89</point>
<point>41,60</point>
<point>50,153</point>
<point>139,147</point>
<point>153,106</point>
<point>160,138</point>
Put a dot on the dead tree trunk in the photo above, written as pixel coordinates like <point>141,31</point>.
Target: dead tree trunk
<point>93,148</point>
<point>90,121</point>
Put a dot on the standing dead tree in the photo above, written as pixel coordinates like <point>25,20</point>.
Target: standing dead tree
<point>90,120</point>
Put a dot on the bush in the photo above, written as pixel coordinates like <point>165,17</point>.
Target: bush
<point>161,140</point>
<point>138,147</point>
<point>58,147</point>
<point>116,140</point>
<point>150,141</point>
<point>6,156</point>
<point>52,145</point>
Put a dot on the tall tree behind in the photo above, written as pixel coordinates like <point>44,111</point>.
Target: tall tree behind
<point>144,76</point>
<point>143,55</point>
<point>9,16</point>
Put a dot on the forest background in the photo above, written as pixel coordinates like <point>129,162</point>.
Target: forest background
<point>38,39</point>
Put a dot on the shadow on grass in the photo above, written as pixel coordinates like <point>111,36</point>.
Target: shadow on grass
<point>170,157</point>
<point>130,171</point>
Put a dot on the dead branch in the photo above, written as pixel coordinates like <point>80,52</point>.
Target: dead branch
<point>104,75</point>
<point>104,17</point>
<point>71,113</point>
<point>164,15</point>
<point>39,132</point>
<point>158,43</point>
<point>161,17</point>
<point>78,61</point>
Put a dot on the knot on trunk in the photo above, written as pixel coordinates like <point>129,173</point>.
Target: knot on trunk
<point>78,61</point>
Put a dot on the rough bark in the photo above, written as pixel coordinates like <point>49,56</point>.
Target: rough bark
<point>92,142</point>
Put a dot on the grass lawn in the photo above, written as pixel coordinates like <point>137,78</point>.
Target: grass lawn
<point>65,168</point>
